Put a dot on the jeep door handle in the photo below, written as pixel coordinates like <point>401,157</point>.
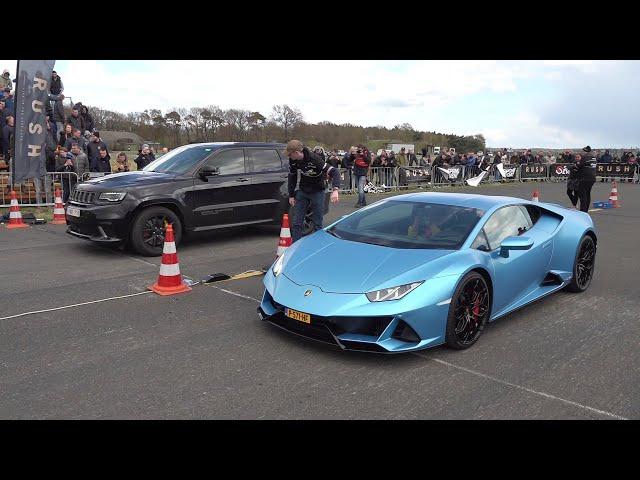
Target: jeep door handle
<point>242,179</point>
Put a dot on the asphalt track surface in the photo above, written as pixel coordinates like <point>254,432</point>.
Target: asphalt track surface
<point>206,355</point>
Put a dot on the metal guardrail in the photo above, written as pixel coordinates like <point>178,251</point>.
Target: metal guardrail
<point>37,192</point>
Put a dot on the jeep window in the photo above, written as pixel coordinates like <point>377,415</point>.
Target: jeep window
<point>228,162</point>
<point>180,160</point>
<point>265,160</point>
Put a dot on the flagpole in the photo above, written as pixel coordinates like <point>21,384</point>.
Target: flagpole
<point>15,106</point>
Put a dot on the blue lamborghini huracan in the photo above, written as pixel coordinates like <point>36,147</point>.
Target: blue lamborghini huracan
<point>424,269</point>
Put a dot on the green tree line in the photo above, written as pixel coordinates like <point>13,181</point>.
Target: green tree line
<point>179,126</point>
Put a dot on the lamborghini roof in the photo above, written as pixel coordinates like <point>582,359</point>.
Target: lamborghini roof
<point>483,202</point>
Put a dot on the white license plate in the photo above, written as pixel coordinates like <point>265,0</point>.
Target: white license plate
<point>73,211</point>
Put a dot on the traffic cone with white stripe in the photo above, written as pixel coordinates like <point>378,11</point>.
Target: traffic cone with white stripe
<point>58,210</point>
<point>169,281</point>
<point>15,217</point>
<point>535,197</point>
<point>613,198</point>
<point>285,236</point>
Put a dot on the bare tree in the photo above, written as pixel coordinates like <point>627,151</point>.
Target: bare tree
<point>256,124</point>
<point>173,120</point>
<point>286,117</point>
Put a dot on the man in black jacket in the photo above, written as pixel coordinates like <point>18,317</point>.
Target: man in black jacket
<point>347,163</point>
<point>93,151</point>
<point>103,162</point>
<point>583,174</point>
<point>313,172</point>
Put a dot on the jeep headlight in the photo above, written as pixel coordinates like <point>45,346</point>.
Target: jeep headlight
<point>112,196</point>
<point>277,266</point>
<point>394,293</point>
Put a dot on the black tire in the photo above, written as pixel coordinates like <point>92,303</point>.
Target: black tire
<point>583,265</point>
<point>461,335</point>
<point>147,235</point>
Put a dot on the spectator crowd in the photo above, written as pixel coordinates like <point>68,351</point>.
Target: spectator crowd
<point>73,144</point>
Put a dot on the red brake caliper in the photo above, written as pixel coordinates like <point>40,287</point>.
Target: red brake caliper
<point>476,310</point>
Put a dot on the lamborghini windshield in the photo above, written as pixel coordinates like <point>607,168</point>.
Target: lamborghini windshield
<point>402,224</point>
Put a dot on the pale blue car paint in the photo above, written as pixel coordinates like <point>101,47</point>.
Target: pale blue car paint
<point>340,272</point>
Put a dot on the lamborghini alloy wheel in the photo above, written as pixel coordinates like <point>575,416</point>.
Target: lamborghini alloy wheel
<point>584,265</point>
<point>468,312</point>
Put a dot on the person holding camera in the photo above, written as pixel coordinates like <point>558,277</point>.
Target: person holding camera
<point>122,163</point>
<point>313,173</point>
<point>74,162</point>
<point>145,157</point>
<point>361,162</point>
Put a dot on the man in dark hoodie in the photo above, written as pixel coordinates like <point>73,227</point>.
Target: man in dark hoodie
<point>93,150</point>
<point>313,173</point>
<point>76,119</point>
<point>89,124</point>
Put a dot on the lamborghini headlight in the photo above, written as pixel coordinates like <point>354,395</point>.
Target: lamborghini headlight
<point>112,196</point>
<point>277,266</point>
<point>394,293</point>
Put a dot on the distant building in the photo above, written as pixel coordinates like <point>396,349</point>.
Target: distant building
<point>126,141</point>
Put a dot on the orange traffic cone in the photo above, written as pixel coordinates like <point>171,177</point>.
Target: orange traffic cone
<point>15,217</point>
<point>169,281</point>
<point>285,236</point>
<point>58,210</point>
<point>613,198</point>
<point>536,197</point>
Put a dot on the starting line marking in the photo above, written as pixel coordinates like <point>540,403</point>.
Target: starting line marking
<point>74,305</point>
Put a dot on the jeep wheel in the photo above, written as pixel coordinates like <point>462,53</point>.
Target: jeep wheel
<point>147,231</point>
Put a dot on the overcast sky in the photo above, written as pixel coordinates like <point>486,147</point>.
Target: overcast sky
<point>515,104</point>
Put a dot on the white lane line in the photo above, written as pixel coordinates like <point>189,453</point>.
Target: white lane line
<point>595,209</point>
<point>72,306</point>
<point>231,292</point>
<point>535,392</point>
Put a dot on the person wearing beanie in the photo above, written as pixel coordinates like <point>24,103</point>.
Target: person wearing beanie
<point>310,193</point>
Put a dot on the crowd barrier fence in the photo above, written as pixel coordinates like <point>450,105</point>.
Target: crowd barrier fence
<point>37,192</point>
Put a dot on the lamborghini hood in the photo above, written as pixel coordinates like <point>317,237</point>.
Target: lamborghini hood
<point>343,266</point>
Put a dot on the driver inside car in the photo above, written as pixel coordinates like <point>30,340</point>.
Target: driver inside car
<point>427,222</point>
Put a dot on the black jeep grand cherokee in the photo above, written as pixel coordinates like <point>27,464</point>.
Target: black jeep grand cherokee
<point>196,187</point>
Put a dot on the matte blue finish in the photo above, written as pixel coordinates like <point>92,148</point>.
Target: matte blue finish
<point>340,272</point>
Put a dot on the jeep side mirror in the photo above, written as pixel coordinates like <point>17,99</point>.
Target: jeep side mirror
<point>209,171</point>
